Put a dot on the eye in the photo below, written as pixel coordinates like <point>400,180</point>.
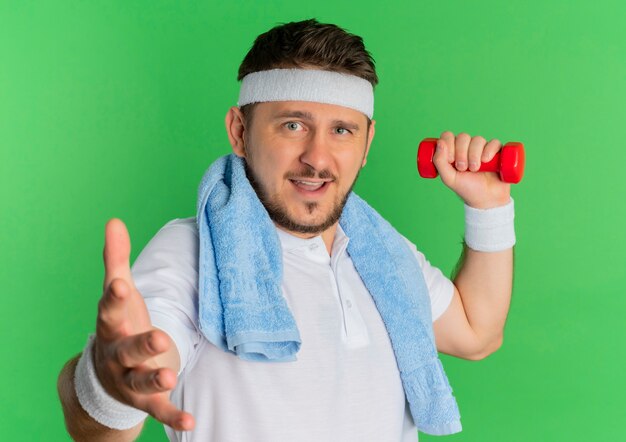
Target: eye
<point>342,131</point>
<point>292,126</point>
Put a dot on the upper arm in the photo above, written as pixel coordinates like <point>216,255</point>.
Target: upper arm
<point>453,333</point>
<point>165,273</point>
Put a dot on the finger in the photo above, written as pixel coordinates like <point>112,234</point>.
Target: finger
<point>112,309</point>
<point>134,350</point>
<point>164,411</point>
<point>475,151</point>
<point>448,138</point>
<point>490,150</point>
<point>461,145</point>
<point>440,160</point>
<point>145,381</point>
<point>116,252</point>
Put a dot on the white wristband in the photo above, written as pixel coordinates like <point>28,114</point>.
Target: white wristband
<point>490,230</point>
<point>96,401</point>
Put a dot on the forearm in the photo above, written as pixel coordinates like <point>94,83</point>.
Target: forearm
<point>78,423</point>
<point>484,282</point>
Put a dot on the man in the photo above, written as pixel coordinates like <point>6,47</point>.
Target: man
<point>302,157</point>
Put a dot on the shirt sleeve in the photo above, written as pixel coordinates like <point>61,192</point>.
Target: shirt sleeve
<point>440,288</point>
<point>166,275</point>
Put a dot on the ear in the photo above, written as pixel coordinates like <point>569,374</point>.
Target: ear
<point>235,129</point>
<point>370,137</point>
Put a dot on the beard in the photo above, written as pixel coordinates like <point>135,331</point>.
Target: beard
<point>278,212</point>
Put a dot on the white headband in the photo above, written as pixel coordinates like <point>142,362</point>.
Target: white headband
<point>308,85</point>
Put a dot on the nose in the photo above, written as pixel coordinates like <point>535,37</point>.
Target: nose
<point>316,152</point>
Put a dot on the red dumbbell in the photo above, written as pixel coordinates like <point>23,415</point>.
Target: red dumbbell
<point>509,162</point>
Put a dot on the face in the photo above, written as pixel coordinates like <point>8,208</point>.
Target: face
<point>302,159</point>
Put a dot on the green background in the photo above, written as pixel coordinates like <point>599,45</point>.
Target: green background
<point>116,109</point>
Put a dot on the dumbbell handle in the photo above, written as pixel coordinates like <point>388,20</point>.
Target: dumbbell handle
<point>509,162</point>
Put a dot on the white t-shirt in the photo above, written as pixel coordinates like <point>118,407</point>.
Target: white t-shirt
<point>344,385</point>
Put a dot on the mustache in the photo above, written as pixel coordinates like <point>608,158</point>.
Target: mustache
<point>309,172</point>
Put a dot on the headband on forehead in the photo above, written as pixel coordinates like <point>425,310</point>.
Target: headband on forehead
<point>308,85</point>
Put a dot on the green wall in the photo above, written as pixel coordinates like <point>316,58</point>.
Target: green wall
<point>116,109</point>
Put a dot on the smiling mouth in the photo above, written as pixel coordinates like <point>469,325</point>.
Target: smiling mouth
<point>310,186</point>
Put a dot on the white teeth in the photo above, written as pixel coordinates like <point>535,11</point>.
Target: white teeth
<point>309,185</point>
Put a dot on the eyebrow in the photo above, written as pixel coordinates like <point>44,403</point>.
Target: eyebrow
<point>294,114</point>
<point>308,116</point>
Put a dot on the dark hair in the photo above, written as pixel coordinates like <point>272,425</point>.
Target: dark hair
<point>306,44</point>
<point>310,44</point>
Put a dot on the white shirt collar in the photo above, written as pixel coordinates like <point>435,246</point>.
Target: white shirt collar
<point>315,245</point>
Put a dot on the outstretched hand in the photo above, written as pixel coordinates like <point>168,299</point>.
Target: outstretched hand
<point>135,362</point>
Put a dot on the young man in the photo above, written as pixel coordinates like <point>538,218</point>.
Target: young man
<point>302,131</point>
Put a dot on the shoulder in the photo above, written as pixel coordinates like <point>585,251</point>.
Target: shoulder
<point>421,259</point>
<point>175,245</point>
<point>179,235</point>
<point>181,228</point>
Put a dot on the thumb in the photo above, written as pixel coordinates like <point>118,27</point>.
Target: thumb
<point>116,252</point>
<point>440,160</point>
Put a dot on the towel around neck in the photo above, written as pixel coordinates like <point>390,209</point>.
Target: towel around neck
<point>242,309</point>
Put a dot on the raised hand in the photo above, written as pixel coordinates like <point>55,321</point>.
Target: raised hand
<point>456,157</point>
<point>135,362</point>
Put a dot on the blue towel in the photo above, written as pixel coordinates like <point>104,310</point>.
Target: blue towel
<point>242,309</point>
